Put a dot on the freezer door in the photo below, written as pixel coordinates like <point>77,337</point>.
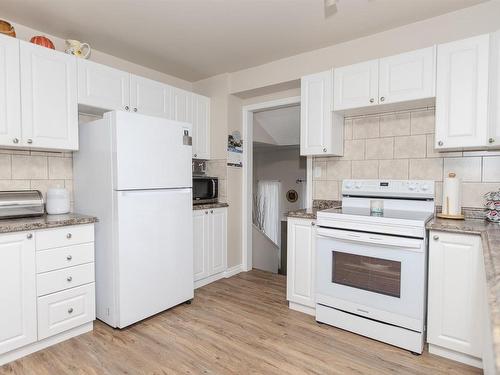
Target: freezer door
<point>155,252</point>
<point>150,152</point>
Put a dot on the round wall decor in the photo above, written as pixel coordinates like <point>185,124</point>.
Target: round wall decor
<point>292,196</point>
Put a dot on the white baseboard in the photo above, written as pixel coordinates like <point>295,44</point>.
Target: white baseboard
<point>42,344</point>
<point>221,275</point>
<point>455,356</point>
<point>233,270</point>
<point>302,308</point>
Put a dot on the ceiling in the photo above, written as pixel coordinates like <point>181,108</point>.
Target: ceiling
<point>279,127</point>
<point>195,39</point>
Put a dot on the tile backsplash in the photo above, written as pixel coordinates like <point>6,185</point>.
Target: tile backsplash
<point>400,145</point>
<point>24,170</point>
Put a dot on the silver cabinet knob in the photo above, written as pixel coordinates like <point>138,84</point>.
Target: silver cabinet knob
<point>68,236</point>
<point>206,212</point>
<point>435,237</point>
<point>195,155</point>
<point>69,257</point>
<point>29,141</point>
<point>70,310</point>
<point>29,236</point>
<point>15,140</point>
<point>440,143</point>
<point>211,211</point>
<point>135,109</point>
<point>313,224</point>
<point>70,279</point>
<point>491,140</point>
<point>324,150</point>
<point>372,100</point>
<point>127,108</point>
<point>382,98</point>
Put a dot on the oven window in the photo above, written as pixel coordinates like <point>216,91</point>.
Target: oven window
<point>373,274</point>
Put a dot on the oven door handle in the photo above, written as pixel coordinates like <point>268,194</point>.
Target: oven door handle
<point>399,242</point>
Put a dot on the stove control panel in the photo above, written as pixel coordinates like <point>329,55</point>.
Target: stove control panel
<point>423,189</point>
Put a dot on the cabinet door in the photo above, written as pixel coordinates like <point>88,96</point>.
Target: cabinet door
<point>301,262</point>
<point>218,240</point>
<point>201,126</point>
<point>494,131</point>
<point>316,91</point>
<point>48,98</point>
<point>103,87</point>
<point>356,86</point>
<point>10,94</point>
<point>182,105</point>
<point>462,93</point>
<point>455,299</point>
<point>18,325</point>
<point>201,244</point>
<point>408,76</point>
<point>150,97</point>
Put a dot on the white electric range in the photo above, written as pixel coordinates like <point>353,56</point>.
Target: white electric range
<point>372,260</point>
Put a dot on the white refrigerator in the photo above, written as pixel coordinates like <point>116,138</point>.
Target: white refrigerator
<point>134,173</point>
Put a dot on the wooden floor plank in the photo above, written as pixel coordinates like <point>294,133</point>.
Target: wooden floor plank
<point>240,325</point>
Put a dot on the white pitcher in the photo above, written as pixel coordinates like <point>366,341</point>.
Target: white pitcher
<point>75,47</point>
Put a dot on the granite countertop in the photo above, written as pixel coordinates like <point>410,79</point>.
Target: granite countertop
<point>307,213</point>
<point>209,206</point>
<point>490,235</point>
<point>45,221</point>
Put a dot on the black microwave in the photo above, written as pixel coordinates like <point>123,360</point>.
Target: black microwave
<point>205,189</point>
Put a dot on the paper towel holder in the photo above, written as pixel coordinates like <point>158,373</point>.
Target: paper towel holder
<point>448,216</point>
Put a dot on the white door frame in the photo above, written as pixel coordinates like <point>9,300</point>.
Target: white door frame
<point>247,193</point>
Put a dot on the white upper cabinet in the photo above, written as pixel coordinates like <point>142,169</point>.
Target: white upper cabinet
<point>100,86</point>
<point>462,94</point>
<point>150,97</point>
<point>10,94</point>
<point>182,105</point>
<point>321,132</point>
<point>494,110</point>
<point>18,325</point>
<point>356,85</point>
<point>48,98</point>
<point>408,76</point>
<point>201,126</point>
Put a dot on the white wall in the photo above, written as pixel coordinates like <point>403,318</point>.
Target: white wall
<point>285,165</point>
<point>479,19</point>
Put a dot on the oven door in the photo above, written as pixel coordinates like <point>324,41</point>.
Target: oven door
<point>380,277</point>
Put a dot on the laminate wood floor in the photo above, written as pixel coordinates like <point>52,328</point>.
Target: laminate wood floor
<point>240,325</point>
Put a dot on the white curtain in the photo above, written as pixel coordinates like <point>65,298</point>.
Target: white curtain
<point>269,194</point>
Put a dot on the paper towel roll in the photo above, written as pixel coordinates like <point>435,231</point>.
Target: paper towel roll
<point>451,195</point>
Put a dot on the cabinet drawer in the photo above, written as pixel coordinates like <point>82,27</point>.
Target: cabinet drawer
<point>64,236</point>
<point>61,311</point>
<point>55,281</point>
<point>62,257</point>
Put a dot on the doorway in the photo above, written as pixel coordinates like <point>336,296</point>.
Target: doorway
<point>271,131</point>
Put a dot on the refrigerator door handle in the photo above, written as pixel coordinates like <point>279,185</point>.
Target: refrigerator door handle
<point>152,191</point>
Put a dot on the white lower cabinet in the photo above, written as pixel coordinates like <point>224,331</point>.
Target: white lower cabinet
<point>17,291</point>
<point>209,245</point>
<point>456,297</point>
<point>301,264</point>
<point>47,289</point>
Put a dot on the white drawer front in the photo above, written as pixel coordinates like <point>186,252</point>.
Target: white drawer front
<point>64,236</point>
<point>62,257</point>
<point>55,281</point>
<point>61,311</point>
